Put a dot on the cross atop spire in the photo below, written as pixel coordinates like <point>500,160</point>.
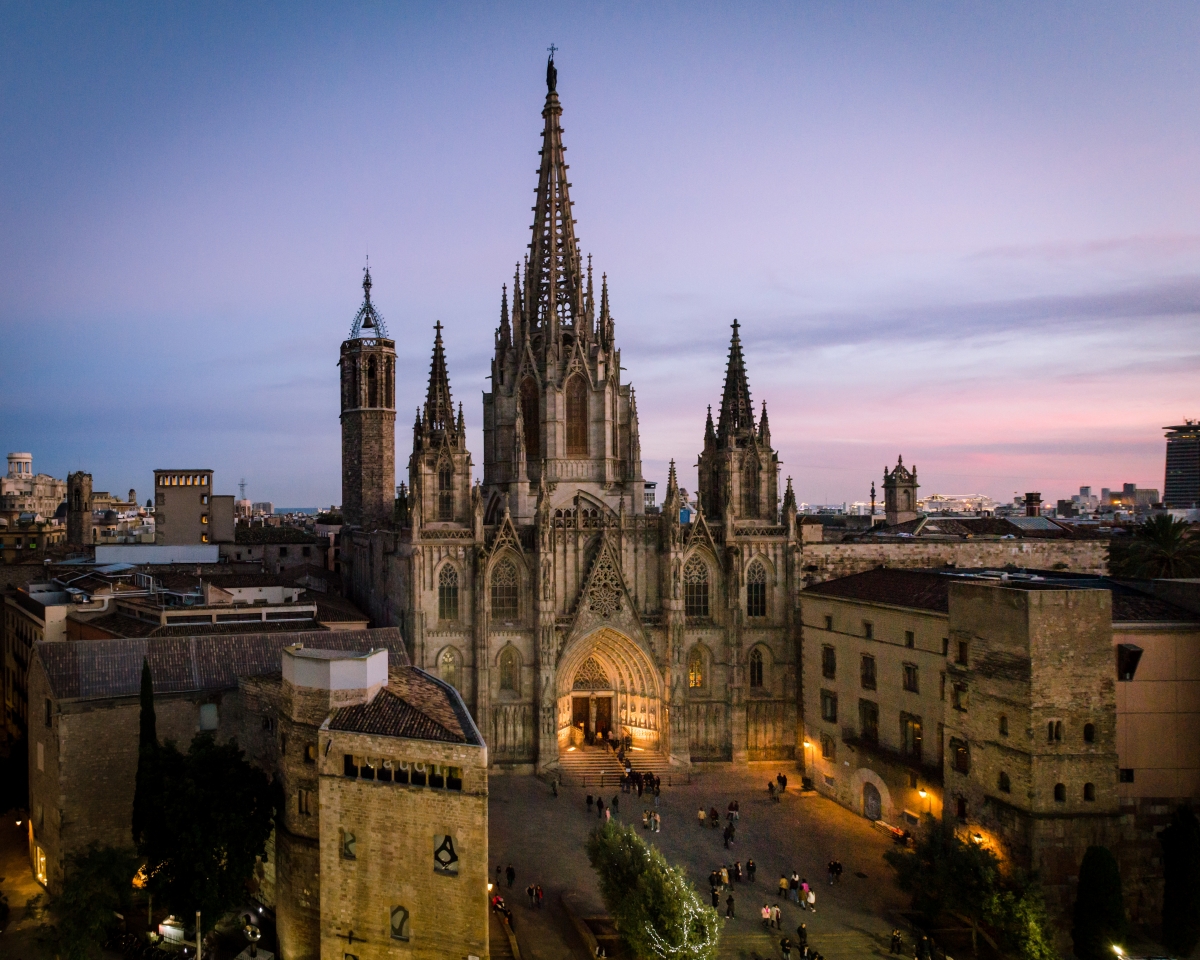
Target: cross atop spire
<point>737,411</point>
<point>439,409</point>
<point>554,281</point>
<point>367,318</point>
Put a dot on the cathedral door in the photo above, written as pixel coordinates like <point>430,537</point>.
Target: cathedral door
<point>603,716</point>
<point>581,716</point>
<point>871,801</point>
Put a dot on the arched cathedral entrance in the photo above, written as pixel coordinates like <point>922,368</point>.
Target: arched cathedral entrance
<point>606,682</point>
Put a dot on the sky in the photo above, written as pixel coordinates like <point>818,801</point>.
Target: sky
<point>968,234</point>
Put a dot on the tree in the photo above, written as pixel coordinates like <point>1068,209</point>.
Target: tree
<point>1181,871</point>
<point>1099,908</point>
<point>657,911</point>
<point>208,816</point>
<point>943,873</point>
<point>147,755</point>
<point>1018,915</point>
<point>98,886</point>
<point>1159,548</point>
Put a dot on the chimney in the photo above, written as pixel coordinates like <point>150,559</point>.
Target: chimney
<point>1033,504</point>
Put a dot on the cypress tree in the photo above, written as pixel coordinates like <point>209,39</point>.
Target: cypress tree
<point>1099,907</point>
<point>143,796</point>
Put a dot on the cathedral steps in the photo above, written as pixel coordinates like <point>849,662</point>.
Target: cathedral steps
<point>596,766</point>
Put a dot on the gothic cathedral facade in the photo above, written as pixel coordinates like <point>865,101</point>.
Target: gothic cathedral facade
<point>547,594</point>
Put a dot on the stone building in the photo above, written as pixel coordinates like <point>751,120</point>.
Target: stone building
<point>1041,712</point>
<point>548,594</point>
<point>23,491</point>
<point>359,741</point>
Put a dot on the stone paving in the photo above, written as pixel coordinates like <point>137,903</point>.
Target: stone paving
<point>543,838</point>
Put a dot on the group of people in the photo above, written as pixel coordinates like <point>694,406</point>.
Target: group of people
<point>651,821</point>
<point>835,872</point>
<point>797,889</point>
<point>533,892</point>
<point>632,780</point>
<point>776,787</point>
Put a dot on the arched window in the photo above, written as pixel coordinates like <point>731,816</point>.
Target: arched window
<point>504,591</point>
<point>1089,791</point>
<point>1003,725</point>
<point>756,590</point>
<point>509,670</point>
<point>1089,733</point>
<point>448,593</point>
<point>372,383</point>
<point>448,667</point>
<point>1054,731</point>
<point>445,492</point>
<point>1060,793</point>
<point>695,588</point>
<point>577,417</point>
<point>750,488</point>
<point>1005,783</point>
<point>756,668</point>
<point>697,669</point>
<point>531,414</point>
<point>389,384</point>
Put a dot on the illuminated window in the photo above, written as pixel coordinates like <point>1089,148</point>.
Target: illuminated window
<point>39,864</point>
<point>448,666</point>
<point>448,593</point>
<point>828,747</point>
<point>696,673</point>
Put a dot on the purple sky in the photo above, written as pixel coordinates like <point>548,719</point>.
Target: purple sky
<point>965,233</point>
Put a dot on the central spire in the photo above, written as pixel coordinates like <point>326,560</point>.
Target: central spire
<point>439,409</point>
<point>554,281</point>
<point>737,412</point>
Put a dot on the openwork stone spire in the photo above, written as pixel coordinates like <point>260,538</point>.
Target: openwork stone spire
<point>439,409</point>
<point>368,322</point>
<point>554,280</point>
<point>737,411</point>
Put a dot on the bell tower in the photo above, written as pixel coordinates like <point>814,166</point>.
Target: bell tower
<point>900,493</point>
<point>79,509</point>
<point>368,371</point>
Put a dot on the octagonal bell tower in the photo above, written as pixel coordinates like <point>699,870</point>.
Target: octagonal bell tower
<point>368,365</point>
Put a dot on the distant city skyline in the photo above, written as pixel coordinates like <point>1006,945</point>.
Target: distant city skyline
<point>970,237</point>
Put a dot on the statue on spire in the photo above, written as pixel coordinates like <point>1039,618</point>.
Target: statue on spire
<point>551,71</point>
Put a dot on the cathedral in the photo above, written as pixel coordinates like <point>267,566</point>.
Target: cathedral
<point>548,594</point>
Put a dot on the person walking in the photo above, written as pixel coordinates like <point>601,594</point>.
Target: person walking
<point>794,887</point>
<point>539,895</point>
<point>589,803</point>
<point>812,899</point>
<point>531,893</point>
<point>498,868</point>
<point>837,871</point>
<point>657,823</point>
<point>737,871</point>
<point>511,874</point>
<point>716,898</point>
<point>766,917</point>
<point>607,814</point>
<point>804,894</point>
<point>771,789</point>
<point>714,818</point>
<point>616,804</point>
<point>728,834</point>
<point>751,868</point>
<point>832,872</point>
<point>724,875</point>
<point>897,944</point>
<point>776,917</point>
<point>729,907</point>
<point>783,885</point>
<point>700,816</point>
<point>802,935</point>
<point>657,791</point>
<point>786,946</point>
<point>600,808</point>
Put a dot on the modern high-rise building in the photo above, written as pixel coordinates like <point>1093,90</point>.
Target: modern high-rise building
<point>1182,485</point>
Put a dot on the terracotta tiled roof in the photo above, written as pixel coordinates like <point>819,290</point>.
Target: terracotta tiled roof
<point>412,705</point>
<point>124,626</point>
<point>100,669</point>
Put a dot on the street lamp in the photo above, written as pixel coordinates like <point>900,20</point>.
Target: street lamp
<point>924,795</point>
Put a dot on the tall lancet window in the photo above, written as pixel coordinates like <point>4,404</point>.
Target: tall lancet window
<point>577,416</point>
<point>750,488</point>
<point>445,492</point>
<point>531,414</point>
<point>372,382</point>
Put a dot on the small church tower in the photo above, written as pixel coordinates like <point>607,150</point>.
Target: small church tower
<point>439,471</point>
<point>900,493</point>
<point>79,509</point>
<point>739,471</point>
<point>368,365</point>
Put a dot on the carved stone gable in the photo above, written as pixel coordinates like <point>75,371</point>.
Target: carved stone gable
<point>605,591</point>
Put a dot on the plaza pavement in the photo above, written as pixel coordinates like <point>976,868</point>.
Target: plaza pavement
<point>543,838</point>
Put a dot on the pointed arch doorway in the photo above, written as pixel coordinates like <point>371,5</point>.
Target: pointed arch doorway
<point>607,683</point>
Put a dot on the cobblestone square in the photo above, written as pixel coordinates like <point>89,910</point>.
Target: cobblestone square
<point>543,838</point>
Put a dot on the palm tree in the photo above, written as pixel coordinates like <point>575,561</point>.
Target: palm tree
<point>1160,548</point>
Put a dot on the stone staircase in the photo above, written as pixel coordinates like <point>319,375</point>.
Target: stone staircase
<point>597,766</point>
